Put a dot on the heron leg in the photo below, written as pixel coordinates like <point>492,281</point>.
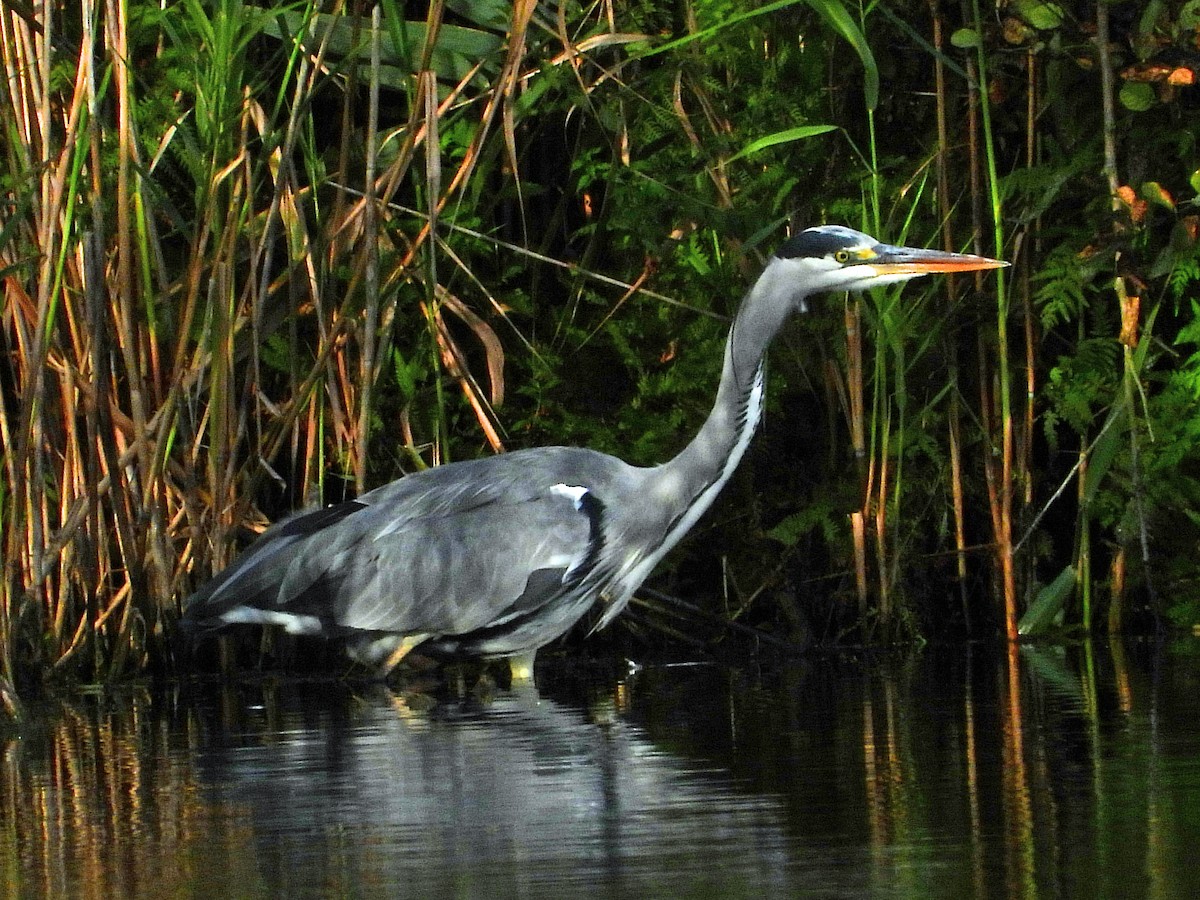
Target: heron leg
<point>402,650</point>
<point>520,667</point>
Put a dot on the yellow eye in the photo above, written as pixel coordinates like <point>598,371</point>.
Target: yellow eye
<point>842,256</point>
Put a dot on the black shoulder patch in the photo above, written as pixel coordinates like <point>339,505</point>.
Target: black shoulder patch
<point>592,507</point>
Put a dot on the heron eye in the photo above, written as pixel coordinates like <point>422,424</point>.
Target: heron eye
<point>842,256</point>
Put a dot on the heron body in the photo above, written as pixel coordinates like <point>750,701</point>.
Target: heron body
<point>499,556</point>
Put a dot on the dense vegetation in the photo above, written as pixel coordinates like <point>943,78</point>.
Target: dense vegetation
<point>260,257</point>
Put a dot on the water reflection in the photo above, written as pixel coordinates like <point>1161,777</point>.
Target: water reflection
<point>1047,772</point>
<point>510,798</point>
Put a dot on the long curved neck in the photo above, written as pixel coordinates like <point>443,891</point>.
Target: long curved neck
<point>681,490</point>
<point>691,481</point>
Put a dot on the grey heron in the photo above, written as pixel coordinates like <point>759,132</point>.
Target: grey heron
<point>496,557</point>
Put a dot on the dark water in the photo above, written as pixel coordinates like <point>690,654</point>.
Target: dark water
<point>1070,773</point>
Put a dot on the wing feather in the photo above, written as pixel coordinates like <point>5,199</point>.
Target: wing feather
<point>438,558</point>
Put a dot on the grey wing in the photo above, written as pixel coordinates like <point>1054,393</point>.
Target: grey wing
<point>473,564</point>
<point>471,569</point>
<point>254,578</point>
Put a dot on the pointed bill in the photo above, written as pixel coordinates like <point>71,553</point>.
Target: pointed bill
<point>887,259</point>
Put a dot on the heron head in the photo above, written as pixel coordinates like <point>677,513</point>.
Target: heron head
<point>836,258</point>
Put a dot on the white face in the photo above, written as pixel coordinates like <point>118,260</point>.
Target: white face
<point>816,275</point>
<point>835,258</point>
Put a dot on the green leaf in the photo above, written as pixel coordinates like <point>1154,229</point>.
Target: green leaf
<point>486,13</point>
<point>836,16</point>
<point>725,23</point>
<point>276,353</point>
<point>819,517</point>
<point>782,137</point>
<point>832,11</point>
<point>405,372</point>
<point>1136,96</point>
<point>1189,16</point>
<point>457,48</point>
<point>1155,193</point>
<point>1041,15</point>
<point>965,38</point>
<point>789,531</point>
<point>1047,606</point>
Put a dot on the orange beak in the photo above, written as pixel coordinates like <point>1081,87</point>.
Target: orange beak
<point>889,260</point>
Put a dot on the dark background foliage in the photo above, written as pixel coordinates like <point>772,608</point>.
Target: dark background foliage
<point>205,325</point>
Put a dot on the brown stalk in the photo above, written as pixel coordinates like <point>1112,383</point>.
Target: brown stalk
<point>989,463</point>
<point>455,363</point>
<point>67,486</point>
<point>493,349</point>
<point>1128,301</point>
<point>283,208</point>
<point>342,170</point>
<point>854,376</point>
<point>148,572</point>
<point>29,515</point>
<point>427,133</point>
<point>1004,536</point>
<point>1031,160</point>
<point>500,100</point>
<point>26,518</point>
<point>881,530</point>
<point>859,532</point>
<point>954,414</point>
<point>371,236</point>
<point>999,483</point>
<point>1116,592</point>
<point>855,380</point>
<point>501,94</point>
